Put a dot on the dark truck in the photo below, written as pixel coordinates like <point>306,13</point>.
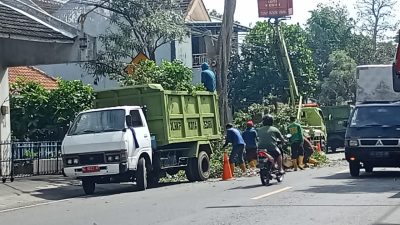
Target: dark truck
<point>335,118</point>
<point>373,130</point>
<point>372,137</point>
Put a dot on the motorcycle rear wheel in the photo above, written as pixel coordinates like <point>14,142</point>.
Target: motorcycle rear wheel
<point>264,176</point>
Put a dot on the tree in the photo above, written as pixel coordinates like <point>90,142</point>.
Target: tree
<point>136,26</point>
<point>224,56</point>
<point>376,18</point>
<point>256,76</point>
<point>340,86</point>
<point>41,115</point>
<point>330,28</point>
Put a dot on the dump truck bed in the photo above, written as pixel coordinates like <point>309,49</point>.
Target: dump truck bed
<point>172,116</point>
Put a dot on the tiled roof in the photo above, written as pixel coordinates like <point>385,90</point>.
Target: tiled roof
<point>15,23</point>
<point>50,6</point>
<point>184,4</point>
<point>30,73</point>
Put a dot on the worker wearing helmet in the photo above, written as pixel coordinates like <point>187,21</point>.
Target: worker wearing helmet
<point>250,137</point>
<point>269,136</point>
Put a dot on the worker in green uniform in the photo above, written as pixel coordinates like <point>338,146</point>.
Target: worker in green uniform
<point>296,143</point>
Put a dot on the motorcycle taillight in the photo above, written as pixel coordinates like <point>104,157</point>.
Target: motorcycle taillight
<point>262,154</point>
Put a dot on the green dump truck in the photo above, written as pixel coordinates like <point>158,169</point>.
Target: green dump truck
<point>335,116</point>
<point>312,119</point>
<point>139,134</point>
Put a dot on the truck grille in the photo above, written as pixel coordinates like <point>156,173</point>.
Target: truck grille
<point>368,142</point>
<point>91,159</point>
<point>379,142</point>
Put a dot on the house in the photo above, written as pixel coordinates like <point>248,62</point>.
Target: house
<point>195,49</point>
<point>30,36</point>
<point>30,73</point>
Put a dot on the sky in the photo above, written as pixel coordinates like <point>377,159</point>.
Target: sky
<point>247,10</point>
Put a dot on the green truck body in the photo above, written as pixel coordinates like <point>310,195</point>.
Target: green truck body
<point>172,116</point>
<point>334,117</point>
<point>314,125</point>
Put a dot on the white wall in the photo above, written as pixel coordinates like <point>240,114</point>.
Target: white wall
<point>5,124</point>
<point>184,51</point>
<point>95,25</point>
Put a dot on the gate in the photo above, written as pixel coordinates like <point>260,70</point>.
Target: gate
<point>30,158</point>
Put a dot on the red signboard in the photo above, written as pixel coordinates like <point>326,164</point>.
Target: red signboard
<point>275,8</point>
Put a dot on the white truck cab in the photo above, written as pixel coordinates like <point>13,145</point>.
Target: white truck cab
<point>105,143</point>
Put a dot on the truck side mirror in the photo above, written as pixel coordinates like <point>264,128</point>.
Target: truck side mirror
<point>128,119</point>
<point>396,68</point>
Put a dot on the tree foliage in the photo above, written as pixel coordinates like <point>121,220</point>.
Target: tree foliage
<point>38,114</point>
<point>171,75</point>
<point>256,75</point>
<point>255,112</point>
<point>340,86</point>
<point>330,28</point>
<point>136,26</point>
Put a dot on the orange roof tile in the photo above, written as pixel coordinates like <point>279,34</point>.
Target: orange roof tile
<point>30,73</point>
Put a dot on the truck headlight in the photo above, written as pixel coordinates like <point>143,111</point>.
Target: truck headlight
<point>76,161</point>
<point>69,161</point>
<point>353,143</point>
<point>109,158</point>
<point>113,158</point>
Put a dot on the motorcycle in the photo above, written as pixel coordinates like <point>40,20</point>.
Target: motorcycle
<point>268,165</point>
<point>268,168</point>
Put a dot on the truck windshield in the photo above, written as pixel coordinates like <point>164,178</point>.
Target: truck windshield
<point>376,116</point>
<point>97,122</point>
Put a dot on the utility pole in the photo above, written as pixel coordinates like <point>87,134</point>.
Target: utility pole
<point>224,56</point>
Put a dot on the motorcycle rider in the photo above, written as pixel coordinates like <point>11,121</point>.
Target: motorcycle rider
<point>268,137</point>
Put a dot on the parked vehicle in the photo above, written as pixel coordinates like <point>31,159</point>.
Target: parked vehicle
<point>373,131</point>
<point>335,117</point>
<point>312,119</point>
<point>139,134</point>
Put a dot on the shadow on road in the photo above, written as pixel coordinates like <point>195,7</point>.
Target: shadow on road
<point>56,188</point>
<point>377,182</point>
<point>374,175</point>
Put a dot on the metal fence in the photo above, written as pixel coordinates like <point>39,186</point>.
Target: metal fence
<point>20,159</point>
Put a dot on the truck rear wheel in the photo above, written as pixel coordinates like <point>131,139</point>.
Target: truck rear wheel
<point>202,167</point>
<point>141,175</point>
<point>88,186</point>
<point>189,171</point>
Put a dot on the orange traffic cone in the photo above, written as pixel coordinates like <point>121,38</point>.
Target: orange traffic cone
<point>227,174</point>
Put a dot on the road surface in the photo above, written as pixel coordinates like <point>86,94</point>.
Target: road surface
<point>315,196</point>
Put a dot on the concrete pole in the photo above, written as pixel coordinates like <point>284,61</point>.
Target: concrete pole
<point>5,124</point>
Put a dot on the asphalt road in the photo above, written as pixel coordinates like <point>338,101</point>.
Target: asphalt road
<point>315,196</point>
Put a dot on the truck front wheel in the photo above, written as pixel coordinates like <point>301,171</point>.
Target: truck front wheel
<point>88,186</point>
<point>141,175</point>
<point>354,169</point>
